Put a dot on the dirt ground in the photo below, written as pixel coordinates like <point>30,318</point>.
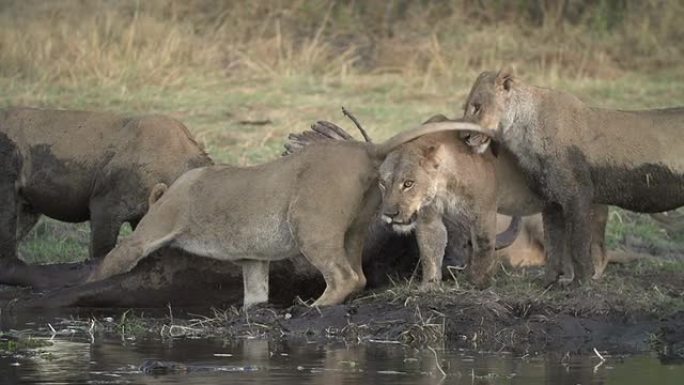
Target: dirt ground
<point>637,307</point>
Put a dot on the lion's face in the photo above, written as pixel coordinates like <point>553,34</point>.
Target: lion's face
<point>487,103</point>
<point>408,182</point>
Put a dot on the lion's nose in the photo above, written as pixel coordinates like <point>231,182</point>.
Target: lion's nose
<point>391,213</point>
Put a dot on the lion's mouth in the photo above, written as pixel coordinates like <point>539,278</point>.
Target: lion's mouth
<point>403,226</point>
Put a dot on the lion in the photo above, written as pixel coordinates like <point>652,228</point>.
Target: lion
<point>528,248</point>
<point>76,166</point>
<point>304,204</point>
<point>573,155</point>
<point>430,180</point>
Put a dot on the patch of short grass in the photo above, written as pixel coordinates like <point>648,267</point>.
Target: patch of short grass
<point>53,241</point>
<point>645,287</point>
<point>11,343</point>
<point>642,233</point>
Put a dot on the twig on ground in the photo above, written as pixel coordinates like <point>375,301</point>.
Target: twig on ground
<point>451,269</point>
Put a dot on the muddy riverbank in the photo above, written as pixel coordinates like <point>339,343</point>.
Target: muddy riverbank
<point>636,308</point>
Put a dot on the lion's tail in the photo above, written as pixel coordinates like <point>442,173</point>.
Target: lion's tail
<point>320,131</point>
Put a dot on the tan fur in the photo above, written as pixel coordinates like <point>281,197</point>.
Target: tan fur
<point>514,197</point>
<point>574,155</point>
<point>301,204</point>
<point>157,191</point>
<point>447,181</point>
<point>528,248</point>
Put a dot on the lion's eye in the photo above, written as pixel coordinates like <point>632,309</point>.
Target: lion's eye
<point>476,107</point>
<point>382,186</point>
<point>408,184</point>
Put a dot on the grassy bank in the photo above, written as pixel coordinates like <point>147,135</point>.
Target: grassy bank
<point>244,74</point>
<point>634,309</point>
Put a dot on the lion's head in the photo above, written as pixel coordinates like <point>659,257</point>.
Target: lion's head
<point>409,181</point>
<point>488,103</point>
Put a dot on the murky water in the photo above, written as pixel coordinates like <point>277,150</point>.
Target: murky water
<point>79,358</point>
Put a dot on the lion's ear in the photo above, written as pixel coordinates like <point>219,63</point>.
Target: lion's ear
<point>431,156</point>
<point>479,143</point>
<point>505,78</point>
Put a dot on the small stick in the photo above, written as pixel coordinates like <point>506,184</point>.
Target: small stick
<point>52,331</point>
<point>168,305</point>
<point>356,122</point>
<point>439,367</point>
<point>599,354</point>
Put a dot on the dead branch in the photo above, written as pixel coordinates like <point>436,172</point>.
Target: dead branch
<point>356,122</point>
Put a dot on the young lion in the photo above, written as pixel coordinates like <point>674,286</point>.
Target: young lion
<point>432,179</point>
<point>574,156</point>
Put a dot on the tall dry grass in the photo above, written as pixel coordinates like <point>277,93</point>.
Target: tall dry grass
<point>165,42</point>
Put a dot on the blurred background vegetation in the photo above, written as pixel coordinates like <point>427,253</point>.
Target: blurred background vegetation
<point>243,74</point>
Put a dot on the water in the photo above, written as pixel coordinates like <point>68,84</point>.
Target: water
<point>212,361</point>
<point>113,359</point>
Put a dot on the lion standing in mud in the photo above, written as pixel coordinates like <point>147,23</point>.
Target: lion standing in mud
<point>432,179</point>
<point>574,155</point>
<point>76,166</point>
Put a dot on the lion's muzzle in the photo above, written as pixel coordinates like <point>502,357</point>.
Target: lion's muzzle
<point>398,224</point>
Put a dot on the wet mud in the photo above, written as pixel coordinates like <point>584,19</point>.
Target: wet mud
<point>516,314</point>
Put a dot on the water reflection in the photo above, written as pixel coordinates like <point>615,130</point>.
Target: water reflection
<point>112,360</point>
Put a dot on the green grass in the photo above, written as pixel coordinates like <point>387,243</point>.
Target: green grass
<point>52,241</point>
<point>11,344</point>
<point>385,104</point>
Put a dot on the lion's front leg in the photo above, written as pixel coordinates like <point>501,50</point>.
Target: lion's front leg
<point>255,279</point>
<point>578,216</point>
<point>557,262</point>
<point>598,239</point>
<point>8,204</point>
<point>483,238</point>
<point>431,235</point>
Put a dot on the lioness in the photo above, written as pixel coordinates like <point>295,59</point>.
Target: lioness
<point>79,166</point>
<point>431,179</point>
<point>574,155</point>
<point>528,249</point>
<point>302,204</point>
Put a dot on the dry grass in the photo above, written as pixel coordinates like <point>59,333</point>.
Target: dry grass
<point>168,42</point>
